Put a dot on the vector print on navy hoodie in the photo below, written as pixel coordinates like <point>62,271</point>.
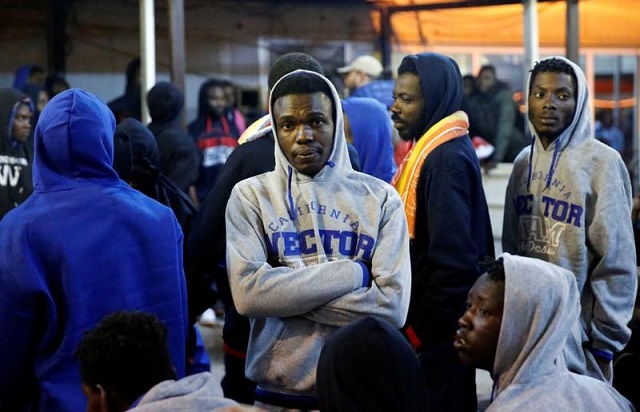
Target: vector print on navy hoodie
<point>570,204</point>
<point>293,247</point>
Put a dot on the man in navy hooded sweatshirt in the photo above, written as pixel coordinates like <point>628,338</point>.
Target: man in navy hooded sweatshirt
<point>440,184</point>
<point>84,245</point>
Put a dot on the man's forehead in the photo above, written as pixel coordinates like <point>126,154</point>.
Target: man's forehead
<point>316,101</point>
<point>553,79</point>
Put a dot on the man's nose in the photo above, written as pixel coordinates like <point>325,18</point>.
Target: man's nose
<point>304,134</point>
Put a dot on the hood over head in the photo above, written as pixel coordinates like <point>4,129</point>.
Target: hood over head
<point>134,146</point>
<point>10,100</point>
<point>339,157</point>
<point>371,129</point>
<point>199,392</point>
<point>441,83</point>
<point>165,102</point>
<point>203,97</point>
<point>541,305</point>
<point>369,366</point>
<point>73,141</point>
<point>578,130</point>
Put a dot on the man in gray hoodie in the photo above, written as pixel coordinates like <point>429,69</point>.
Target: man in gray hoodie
<point>125,365</point>
<point>515,327</point>
<point>312,245</point>
<point>568,202</point>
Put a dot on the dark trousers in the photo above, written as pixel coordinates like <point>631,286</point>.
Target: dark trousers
<point>234,384</point>
<point>451,386</point>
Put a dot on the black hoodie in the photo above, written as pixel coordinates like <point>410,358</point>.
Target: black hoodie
<point>15,157</point>
<point>179,159</point>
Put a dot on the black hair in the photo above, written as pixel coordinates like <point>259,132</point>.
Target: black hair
<point>303,83</point>
<point>488,68</point>
<point>556,66</point>
<point>127,353</point>
<point>495,269</point>
<point>291,62</point>
<point>408,66</point>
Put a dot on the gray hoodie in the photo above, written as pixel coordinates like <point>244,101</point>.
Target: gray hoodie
<point>570,204</point>
<point>529,371</point>
<point>195,393</point>
<point>292,246</point>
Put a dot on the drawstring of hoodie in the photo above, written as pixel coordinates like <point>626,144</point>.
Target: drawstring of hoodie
<point>552,168</point>
<point>292,210</point>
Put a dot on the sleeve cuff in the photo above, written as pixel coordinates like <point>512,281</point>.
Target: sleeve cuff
<point>601,354</point>
<point>366,276</point>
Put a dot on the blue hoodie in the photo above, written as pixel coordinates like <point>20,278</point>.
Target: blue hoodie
<point>83,245</point>
<point>371,131</point>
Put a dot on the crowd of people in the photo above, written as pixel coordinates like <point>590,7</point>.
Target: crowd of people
<point>350,280</point>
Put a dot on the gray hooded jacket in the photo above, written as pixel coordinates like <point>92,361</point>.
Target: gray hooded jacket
<point>195,393</point>
<point>570,204</point>
<point>529,370</point>
<point>292,246</point>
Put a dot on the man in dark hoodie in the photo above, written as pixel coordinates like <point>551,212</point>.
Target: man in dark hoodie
<point>215,133</point>
<point>495,116</point>
<point>179,160</point>
<point>16,152</point>
<point>441,186</point>
<point>128,104</point>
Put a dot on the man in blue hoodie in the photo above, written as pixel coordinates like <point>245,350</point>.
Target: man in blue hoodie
<point>83,245</point>
<point>568,202</point>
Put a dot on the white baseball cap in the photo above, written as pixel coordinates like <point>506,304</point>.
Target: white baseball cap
<point>369,65</point>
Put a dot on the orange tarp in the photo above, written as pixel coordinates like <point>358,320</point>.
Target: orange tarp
<point>603,23</point>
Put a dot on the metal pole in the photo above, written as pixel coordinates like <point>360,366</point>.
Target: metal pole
<point>385,42</point>
<point>573,32</point>
<point>147,54</point>
<point>176,23</point>
<point>531,36</point>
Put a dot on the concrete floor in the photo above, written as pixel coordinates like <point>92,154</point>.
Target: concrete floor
<point>212,336</point>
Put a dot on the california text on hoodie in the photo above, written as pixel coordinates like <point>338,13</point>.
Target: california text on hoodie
<point>293,246</point>
<point>195,393</point>
<point>371,130</point>
<point>82,246</point>
<point>570,204</point>
<point>179,157</point>
<point>15,157</point>
<point>529,370</point>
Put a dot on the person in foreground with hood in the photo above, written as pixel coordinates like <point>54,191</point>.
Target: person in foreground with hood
<point>308,244</point>
<point>368,365</point>
<point>16,152</point>
<point>83,245</point>
<point>179,158</point>
<point>206,246</point>
<point>568,202</point>
<point>125,365</point>
<point>515,326</point>
<point>440,184</point>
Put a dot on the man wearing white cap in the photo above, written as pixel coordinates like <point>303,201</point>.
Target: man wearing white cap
<point>360,76</point>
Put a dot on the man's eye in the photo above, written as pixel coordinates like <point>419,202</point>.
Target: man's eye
<point>483,312</point>
<point>286,126</point>
<point>563,96</point>
<point>538,95</point>
<point>317,122</point>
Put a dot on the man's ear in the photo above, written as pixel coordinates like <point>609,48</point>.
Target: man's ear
<point>96,398</point>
